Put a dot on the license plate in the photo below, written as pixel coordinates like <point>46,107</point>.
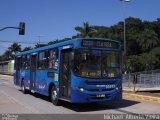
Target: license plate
<point>100,96</point>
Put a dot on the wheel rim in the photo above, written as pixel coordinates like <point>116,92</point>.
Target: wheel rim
<point>54,95</point>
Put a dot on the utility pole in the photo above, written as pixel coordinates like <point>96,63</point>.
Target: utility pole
<point>124,28</point>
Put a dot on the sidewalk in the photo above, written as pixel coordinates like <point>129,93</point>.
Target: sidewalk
<point>149,95</point>
<point>141,89</point>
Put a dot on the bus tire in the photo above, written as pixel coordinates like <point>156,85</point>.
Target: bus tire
<point>24,91</point>
<point>53,96</point>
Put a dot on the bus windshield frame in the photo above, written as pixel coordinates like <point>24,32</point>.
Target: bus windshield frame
<point>92,63</point>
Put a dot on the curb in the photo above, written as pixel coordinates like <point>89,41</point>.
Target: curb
<point>142,97</point>
<point>6,74</point>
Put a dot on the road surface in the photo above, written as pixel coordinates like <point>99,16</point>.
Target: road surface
<point>13,101</point>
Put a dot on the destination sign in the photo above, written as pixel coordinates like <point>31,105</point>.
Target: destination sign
<point>100,44</point>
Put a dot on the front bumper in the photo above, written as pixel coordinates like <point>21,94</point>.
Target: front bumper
<point>85,96</point>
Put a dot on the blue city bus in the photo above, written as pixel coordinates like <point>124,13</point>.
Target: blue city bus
<point>80,70</point>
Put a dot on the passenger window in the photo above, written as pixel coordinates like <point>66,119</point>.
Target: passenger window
<point>41,59</point>
<point>17,64</point>
<point>27,66</point>
<point>53,59</point>
<point>46,59</point>
<point>23,62</point>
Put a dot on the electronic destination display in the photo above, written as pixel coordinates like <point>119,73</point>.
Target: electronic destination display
<point>100,44</point>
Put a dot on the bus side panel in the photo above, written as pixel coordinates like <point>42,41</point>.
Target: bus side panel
<point>24,75</point>
<point>27,78</point>
<point>52,77</point>
<point>20,77</point>
<point>43,79</point>
<point>40,83</point>
<point>17,79</point>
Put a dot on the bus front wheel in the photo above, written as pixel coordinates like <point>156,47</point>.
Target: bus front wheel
<point>54,97</point>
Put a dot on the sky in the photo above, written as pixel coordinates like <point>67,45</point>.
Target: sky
<point>56,19</point>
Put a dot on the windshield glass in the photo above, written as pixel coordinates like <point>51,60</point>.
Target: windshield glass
<point>96,63</point>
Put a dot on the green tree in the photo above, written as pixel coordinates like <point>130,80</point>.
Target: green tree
<point>39,45</point>
<point>15,48</point>
<point>27,48</point>
<point>7,55</point>
<point>85,31</point>
<point>155,57</point>
<point>1,58</point>
<point>148,39</point>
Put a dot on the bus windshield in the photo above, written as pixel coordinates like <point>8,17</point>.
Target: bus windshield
<point>96,63</point>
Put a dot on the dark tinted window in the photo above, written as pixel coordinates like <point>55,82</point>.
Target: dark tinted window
<point>41,58</point>
<point>25,61</point>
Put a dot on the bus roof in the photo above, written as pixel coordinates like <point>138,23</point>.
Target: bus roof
<point>72,41</point>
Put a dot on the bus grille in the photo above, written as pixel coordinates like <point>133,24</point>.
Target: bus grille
<point>100,90</point>
<point>100,82</point>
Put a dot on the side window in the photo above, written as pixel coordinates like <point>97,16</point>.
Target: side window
<point>46,59</point>
<point>41,58</point>
<point>53,59</point>
<point>27,66</point>
<point>23,61</point>
<point>17,63</point>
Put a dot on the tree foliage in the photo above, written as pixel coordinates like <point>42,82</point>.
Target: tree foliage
<point>85,31</point>
<point>27,48</point>
<point>15,48</point>
<point>142,41</point>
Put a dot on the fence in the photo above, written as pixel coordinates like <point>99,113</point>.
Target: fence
<point>146,79</point>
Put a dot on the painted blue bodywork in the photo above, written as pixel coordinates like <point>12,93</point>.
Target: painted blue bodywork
<point>42,81</point>
<point>93,87</point>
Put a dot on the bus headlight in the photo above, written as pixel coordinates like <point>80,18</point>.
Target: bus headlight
<point>119,88</point>
<point>79,89</point>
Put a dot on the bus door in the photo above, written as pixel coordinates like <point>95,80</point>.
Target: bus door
<point>18,67</point>
<point>33,71</point>
<point>65,74</point>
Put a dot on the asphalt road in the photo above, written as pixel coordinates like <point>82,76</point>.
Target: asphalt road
<point>13,101</point>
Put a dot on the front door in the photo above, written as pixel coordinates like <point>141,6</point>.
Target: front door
<point>33,71</point>
<point>65,73</point>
